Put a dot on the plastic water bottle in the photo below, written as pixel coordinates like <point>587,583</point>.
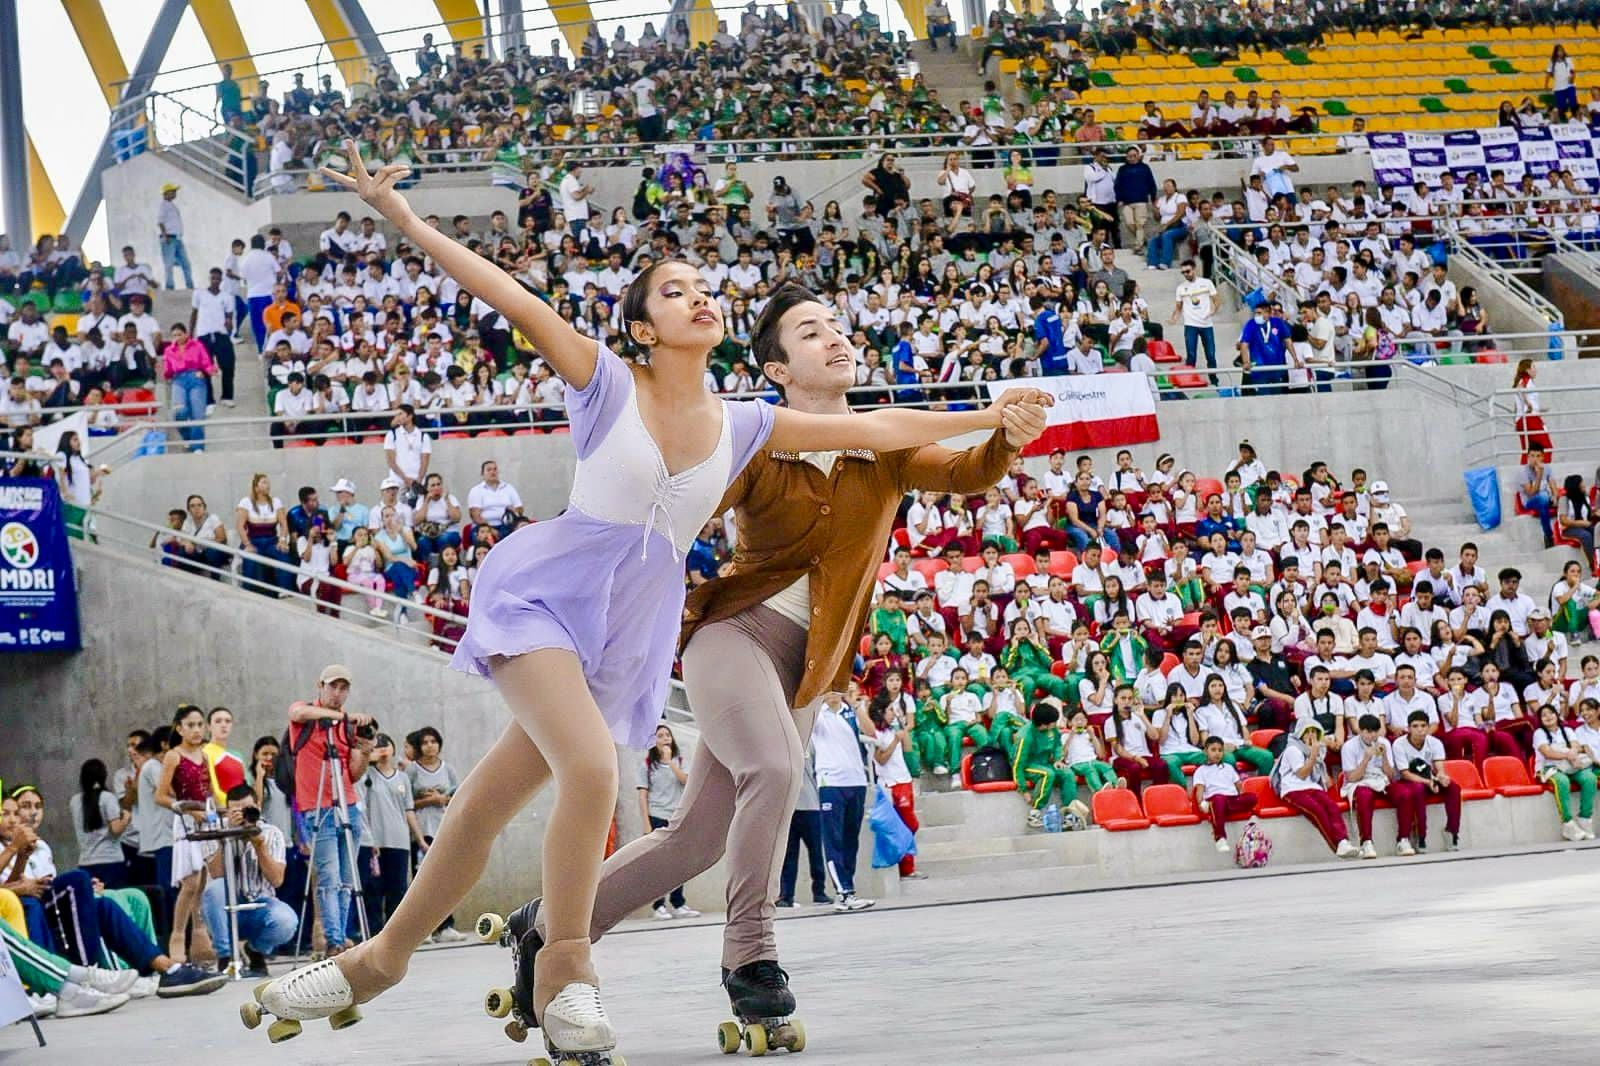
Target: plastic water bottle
<point>213,819</point>
<point>1052,818</point>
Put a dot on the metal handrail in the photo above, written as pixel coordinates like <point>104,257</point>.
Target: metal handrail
<point>1518,288</point>
<point>141,535</point>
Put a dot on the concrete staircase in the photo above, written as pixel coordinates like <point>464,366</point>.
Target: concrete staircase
<point>952,74</point>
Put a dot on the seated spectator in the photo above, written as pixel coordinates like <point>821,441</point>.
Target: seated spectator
<point>1300,778</point>
<point>1419,758</point>
<point>1369,772</point>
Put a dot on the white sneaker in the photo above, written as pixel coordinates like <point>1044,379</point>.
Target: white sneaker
<point>379,611</point>
<point>1404,849</point>
<point>1347,850</point>
<point>111,982</point>
<point>145,987</point>
<point>941,770</point>
<point>211,409</point>
<point>449,935</point>
<point>1223,847</point>
<point>1368,851</point>
<point>664,915</point>
<point>76,1001</point>
<point>1587,825</point>
<point>1570,831</point>
<point>229,403</point>
<point>1035,819</point>
<point>856,903</point>
<point>688,912</point>
<point>576,1021</point>
<point>43,1006</point>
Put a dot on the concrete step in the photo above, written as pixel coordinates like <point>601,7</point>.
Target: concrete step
<point>985,863</point>
<point>981,884</point>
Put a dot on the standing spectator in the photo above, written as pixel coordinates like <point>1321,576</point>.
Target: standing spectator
<point>259,272</point>
<point>211,320</point>
<point>230,101</point>
<point>493,503</point>
<point>1300,778</point>
<point>261,522</point>
<point>433,783</point>
<point>1100,186</point>
<point>259,866</point>
<point>80,484</point>
<point>1263,350</point>
<point>1560,79</point>
<point>890,741</point>
<point>391,814</point>
<point>187,364</point>
<point>842,795</point>
<point>805,827</point>
<point>99,821</point>
<point>185,788</point>
<point>1136,191</point>
<point>408,450</point>
<point>1197,302</point>
<point>660,787</point>
<point>1529,422</point>
<point>574,200</point>
<point>169,226</point>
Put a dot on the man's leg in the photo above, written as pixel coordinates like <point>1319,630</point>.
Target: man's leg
<point>833,845</point>
<point>1452,808</point>
<point>1364,800</point>
<point>745,778</point>
<point>791,860</point>
<point>855,810</point>
<point>269,927</point>
<point>325,854</point>
<point>811,836</point>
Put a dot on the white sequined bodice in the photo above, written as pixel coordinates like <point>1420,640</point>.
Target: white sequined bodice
<point>625,481</point>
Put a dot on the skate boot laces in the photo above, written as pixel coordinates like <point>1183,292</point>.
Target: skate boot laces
<point>319,987</point>
<point>767,975</point>
<point>575,1020</point>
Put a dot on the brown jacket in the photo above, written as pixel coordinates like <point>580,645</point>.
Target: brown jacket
<point>795,520</point>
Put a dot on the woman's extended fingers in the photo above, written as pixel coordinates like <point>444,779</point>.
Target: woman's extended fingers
<point>339,176</point>
<point>358,166</point>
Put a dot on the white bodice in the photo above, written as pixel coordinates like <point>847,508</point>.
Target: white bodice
<point>624,480</point>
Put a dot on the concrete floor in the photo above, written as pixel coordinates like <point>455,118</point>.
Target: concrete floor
<point>1464,962</point>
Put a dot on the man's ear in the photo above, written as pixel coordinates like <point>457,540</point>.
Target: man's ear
<point>777,373</point>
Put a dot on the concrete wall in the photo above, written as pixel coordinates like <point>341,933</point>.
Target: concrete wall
<point>1508,312</point>
<point>154,639</point>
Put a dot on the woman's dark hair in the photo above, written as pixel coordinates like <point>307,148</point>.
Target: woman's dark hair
<point>1572,489</point>
<point>764,342</point>
<point>92,782</point>
<point>634,298</point>
<point>184,710</point>
<point>424,733</point>
<point>262,742</point>
<point>653,756</point>
<point>1227,701</point>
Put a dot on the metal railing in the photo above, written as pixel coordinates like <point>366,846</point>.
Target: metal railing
<point>1571,415</point>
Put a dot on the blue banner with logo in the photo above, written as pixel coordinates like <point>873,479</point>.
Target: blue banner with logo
<point>38,599</point>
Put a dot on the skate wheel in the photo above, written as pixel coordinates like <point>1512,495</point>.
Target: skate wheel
<point>618,1060</point>
<point>797,1038</point>
<point>489,927</point>
<point>539,1062</point>
<point>250,1014</point>
<point>755,1040</point>
<point>515,1030</point>
<point>497,1002</point>
<point>728,1037</point>
<point>283,1029</point>
<point>344,1019</point>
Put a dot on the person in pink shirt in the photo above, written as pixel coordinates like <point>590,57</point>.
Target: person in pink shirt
<point>187,365</point>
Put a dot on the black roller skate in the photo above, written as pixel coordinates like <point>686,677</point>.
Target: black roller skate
<point>762,1005</point>
<point>517,933</point>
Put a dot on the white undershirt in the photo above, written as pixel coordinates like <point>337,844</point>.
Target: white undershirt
<point>794,602</point>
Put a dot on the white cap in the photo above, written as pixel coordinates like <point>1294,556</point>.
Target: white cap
<point>1379,488</point>
<point>344,484</point>
<point>391,482</point>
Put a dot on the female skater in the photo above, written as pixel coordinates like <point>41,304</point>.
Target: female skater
<point>656,451</point>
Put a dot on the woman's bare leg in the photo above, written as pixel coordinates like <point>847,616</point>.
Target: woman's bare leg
<point>184,910</point>
<point>502,783</point>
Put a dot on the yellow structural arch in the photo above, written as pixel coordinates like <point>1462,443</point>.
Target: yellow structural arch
<point>464,19</point>
<point>573,19</point>
<point>340,38</point>
<point>44,206</point>
<point>222,32</point>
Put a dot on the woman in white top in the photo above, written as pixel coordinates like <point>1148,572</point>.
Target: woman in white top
<point>1129,733</point>
<point>1529,422</point>
<point>80,483</point>
<point>1300,777</point>
<point>1560,760</point>
<point>995,521</point>
<point>890,743</point>
<point>957,182</point>
<point>1219,715</point>
<point>1291,633</point>
<point>1096,692</point>
<point>1177,733</point>
<point>1185,504</point>
<point>316,552</point>
<point>1574,604</point>
<point>1225,660</point>
<point>1560,80</point>
<point>263,524</point>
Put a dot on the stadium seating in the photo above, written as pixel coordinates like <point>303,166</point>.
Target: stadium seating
<point>1169,805</point>
<point>1117,810</point>
<point>1508,776</point>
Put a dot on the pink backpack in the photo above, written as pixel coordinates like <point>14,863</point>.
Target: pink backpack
<point>1254,847</point>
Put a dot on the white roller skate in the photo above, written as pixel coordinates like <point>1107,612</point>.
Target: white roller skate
<point>316,991</point>
<point>574,1023</point>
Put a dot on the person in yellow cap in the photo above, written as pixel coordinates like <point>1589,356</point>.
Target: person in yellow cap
<point>169,225</point>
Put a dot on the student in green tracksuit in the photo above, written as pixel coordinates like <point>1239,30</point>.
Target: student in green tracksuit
<point>1007,705</point>
<point>1085,753</point>
<point>890,620</point>
<point>1125,648</point>
<point>1037,765</point>
<point>927,732</point>
<point>44,973</point>
<point>1027,659</point>
<point>1178,733</point>
<point>959,712</point>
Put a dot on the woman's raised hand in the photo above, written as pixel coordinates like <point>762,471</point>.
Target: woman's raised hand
<point>377,189</point>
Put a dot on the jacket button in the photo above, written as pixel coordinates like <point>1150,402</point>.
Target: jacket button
<point>811,664</point>
<point>815,559</point>
<point>816,611</point>
<point>826,509</point>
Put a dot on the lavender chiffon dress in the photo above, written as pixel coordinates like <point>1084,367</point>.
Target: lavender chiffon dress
<point>605,579</point>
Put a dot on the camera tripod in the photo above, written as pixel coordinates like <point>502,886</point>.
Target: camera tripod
<point>332,770</point>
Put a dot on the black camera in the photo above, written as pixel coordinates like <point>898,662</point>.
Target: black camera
<point>252,815</point>
<point>368,731</point>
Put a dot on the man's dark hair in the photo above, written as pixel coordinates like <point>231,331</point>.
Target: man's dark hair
<point>764,341</point>
<point>306,492</point>
<point>241,792</point>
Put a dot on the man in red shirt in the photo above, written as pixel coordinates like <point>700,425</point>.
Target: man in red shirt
<point>313,726</point>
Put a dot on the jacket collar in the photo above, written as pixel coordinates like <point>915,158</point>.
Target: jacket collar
<point>865,454</point>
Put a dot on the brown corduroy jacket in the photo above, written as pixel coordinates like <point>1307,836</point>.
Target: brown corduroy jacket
<point>793,520</point>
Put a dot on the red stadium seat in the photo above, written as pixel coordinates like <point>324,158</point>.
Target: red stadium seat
<point>1260,738</point>
<point>455,435</point>
<point>299,443</point>
<point>1162,352</point>
<point>1463,773</point>
<point>1509,777</point>
<point>337,441</point>
<point>1058,668</point>
<point>971,564</point>
<point>1207,487</point>
<point>1021,564</point>
<point>987,786</point>
<point>928,568</point>
<point>140,396</point>
<point>1268,805</point>
<point>1062,562</point>
<point>1169,805</point>
<point>524,433</point>
<point>1188,381</point>
<point>884,570</point>
<point>493,433</point>
<point>1116,810</point>
<point>1490,355</point>
<point>1168,661</point>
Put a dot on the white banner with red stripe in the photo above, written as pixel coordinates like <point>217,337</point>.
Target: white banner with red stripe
<point>1092,411</point>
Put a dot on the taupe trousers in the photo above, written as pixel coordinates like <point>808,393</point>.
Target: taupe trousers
<point>742,674</point>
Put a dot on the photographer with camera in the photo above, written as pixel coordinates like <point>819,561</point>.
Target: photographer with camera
<point>325,739</point>
<point>258,872</point>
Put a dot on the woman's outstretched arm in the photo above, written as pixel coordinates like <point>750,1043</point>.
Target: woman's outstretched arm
<point>893,430</point>
<point>569,353</point>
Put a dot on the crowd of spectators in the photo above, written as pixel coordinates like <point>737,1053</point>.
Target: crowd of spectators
<point>143,912</point>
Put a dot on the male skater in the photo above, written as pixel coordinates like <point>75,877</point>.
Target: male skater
<point>764,642</point>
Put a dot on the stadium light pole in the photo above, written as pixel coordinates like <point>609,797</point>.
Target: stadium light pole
<point>13,134</point>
